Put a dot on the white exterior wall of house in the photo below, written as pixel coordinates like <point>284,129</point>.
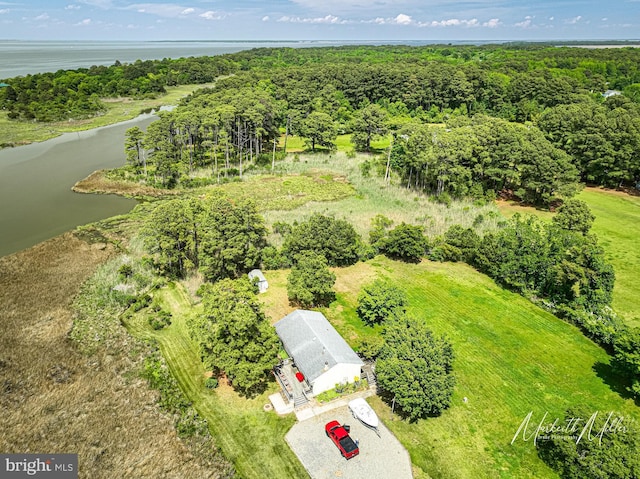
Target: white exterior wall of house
<point>339,373</point>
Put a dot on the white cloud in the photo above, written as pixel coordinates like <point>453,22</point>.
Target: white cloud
<point>352,4</point>
<point>265,18</point>
<point>493,23</point>
<point>604,19</point>
<point>84,23</point>
<point>551,19</point>
<point>454,22</point>
<point>526,23</point>
<point>105,4</point>
<point>328,19</point>
<point>211,15</point>
<point>574,20</point>
<point>406,20</point>
<point>72,7</point>
<point>3,11</point>
<point>165,10</point>
<point>402,19</point>
<point>44,16</point>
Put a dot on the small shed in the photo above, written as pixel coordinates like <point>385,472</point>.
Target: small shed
<point>610,93</point>
<point>320,353</point>
<point>255,275</point>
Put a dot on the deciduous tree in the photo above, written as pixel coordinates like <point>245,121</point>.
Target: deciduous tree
<point>380,301</point>
<point>233,235</point>
<point>310,282</point>
<point>416,368</point>
<point>574,215</point>
<point>319,129</point>
<point>234,336</point>
<point>368,124</point>
<point>335,239</point>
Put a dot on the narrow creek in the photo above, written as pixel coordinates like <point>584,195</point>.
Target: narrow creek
<point>36,201</point>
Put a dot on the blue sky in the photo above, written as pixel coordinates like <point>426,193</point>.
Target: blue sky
<point>319,19</point>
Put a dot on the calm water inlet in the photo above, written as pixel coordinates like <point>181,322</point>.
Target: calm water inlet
<point>36,201</point>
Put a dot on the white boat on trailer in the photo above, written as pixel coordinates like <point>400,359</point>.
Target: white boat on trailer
<point>361,410</point>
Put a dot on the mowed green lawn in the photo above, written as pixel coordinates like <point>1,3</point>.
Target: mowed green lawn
<point>296,144</point>
<point>617,226</point>
<point>248,436</point>
<point>511,358</point>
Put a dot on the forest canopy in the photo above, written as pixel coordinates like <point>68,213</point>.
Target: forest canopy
<point>530,120</point>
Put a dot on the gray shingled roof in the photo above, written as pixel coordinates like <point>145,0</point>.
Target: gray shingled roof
<point>311,341</point>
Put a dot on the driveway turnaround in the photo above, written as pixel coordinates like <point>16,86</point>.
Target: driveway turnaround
<point>380,457</point>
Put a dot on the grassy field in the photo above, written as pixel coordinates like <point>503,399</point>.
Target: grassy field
<point>373,197</point>
<point>14,133</point>
<point>511,358</point>
<point>296,144</point>
<point>617,226</point>
<point>248,436</point>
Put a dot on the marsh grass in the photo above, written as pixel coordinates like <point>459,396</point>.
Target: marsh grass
<point>373,197</point>
<point>54,398</point>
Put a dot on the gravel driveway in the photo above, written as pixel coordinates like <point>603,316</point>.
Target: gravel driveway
<point>380,457</point>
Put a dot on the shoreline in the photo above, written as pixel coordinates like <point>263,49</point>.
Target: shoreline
<point>18,134</point>
<point>98,184</point>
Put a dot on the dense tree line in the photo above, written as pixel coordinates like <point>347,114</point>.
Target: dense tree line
<point>78,93</point>
<point>483,156</point>
<point>603,139</point>
<point>318,93</point>
<point>220,237</point>
<point>226,131</point>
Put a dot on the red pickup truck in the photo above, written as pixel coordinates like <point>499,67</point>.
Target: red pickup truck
<point>342,440</point>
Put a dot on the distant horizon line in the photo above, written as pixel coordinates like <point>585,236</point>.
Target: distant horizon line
<point>428,41</point>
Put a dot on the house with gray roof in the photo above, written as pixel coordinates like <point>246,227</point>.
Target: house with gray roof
<point>318,351</point>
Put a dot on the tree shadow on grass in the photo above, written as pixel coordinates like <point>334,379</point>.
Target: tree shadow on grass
<point>388,396</point>
<point>617,382</point>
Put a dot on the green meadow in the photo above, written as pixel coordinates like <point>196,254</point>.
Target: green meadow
<point>512,358</point>
<point>617,226</point>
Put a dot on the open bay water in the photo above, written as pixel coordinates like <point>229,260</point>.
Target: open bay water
<point>19,58</point>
